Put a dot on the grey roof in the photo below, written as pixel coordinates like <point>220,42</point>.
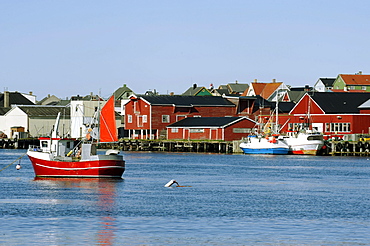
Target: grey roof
<point>193,90</point>
<point>122,93</point>
<point>46,111</point>
<point>340,102</point>
<point>4,110</point>
<point>222,91</point>
<point>237,87</point>
<point>295,96</point>
<point>365,104</point>
<point>207,121</point>
<point>188,101</point>
<point>53,100</point>
<point>87,98</point>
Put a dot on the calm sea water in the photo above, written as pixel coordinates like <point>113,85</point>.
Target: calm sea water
<point>231,200</point>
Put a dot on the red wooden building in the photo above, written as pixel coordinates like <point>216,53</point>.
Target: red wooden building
<point>211,128</point>
<point>331,113</point>
<point>146,117</point>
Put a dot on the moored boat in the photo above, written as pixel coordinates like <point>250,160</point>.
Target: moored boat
<point>304,142</point>
<point>60,157</point>
<point>272,145</point>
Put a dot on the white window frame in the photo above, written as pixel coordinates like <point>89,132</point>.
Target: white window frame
<point>196,130</point>
<point>129,118</point>
<point>165,118</point>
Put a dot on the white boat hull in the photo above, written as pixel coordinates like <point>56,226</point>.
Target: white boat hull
<point>254,145</point>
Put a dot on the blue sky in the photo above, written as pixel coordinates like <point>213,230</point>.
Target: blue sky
<point>66,48</point>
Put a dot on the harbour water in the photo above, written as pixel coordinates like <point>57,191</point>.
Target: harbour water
<point>228,200</point>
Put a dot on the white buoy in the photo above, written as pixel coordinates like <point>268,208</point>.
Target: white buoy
<point>171,183</point>
<point>18,166</point>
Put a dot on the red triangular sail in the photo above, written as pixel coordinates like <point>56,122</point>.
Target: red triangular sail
<point>108,129</point>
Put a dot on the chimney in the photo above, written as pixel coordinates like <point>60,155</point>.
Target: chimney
<point>255,80</point>
<point>273,80</point>
<point>6,99</point>
<point>31,93</point>
<point>194,86</point>
<point>236,81</point>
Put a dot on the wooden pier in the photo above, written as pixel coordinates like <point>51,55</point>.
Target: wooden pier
<point>173,146</point>
<point>347,148</point>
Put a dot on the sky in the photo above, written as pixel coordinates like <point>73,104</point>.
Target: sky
<point>67,48</point>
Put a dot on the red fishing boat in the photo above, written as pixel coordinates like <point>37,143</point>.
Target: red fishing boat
<point>60,157</point>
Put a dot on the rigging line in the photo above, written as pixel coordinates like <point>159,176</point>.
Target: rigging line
<point>13,162</point>
<point>106,126</point>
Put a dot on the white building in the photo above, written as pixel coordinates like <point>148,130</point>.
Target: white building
<point>35,120</point>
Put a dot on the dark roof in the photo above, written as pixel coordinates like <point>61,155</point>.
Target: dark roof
<point>206,121</point>
<point>15,98</point>
<point>259,101</point>
<point>328,82</point>
<point>340,102</point>
<point>188,101</point>
<point>284,107</point>
<point>46,111</point>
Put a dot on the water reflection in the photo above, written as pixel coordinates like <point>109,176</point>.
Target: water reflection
<point>105,192</point>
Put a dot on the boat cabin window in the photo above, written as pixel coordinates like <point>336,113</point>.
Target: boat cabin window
<point>318,137</point>
<point>68,145</point>
<point>44,144</point>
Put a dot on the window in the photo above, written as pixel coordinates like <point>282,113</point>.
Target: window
<point>363,88</point>
<point>165,119</point>
<point>145,118</point>
<point>44,144</point>
<point>174,130</point>
<point>129,118</point>
<point>296,126</point>
<point>242,130</point>
<point>338,127</point>
<point>196,130</point>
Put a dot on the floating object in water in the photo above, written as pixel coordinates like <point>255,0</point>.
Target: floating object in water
<point>18,166</point>
<point>171,183</point>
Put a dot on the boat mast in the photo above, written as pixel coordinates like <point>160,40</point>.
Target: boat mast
<point>309,115</point>
<point>277,113</point>
<point>54,133</point>
<point>98,118</point>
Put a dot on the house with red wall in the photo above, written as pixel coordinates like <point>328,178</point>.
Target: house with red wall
<point>147,116</point>
<point>332,113</point>
<point>211,128</point>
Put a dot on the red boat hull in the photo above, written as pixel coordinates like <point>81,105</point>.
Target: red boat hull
<point>78,169</point>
